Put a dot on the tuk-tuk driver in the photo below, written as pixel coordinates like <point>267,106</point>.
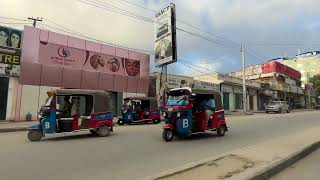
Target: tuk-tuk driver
<point>66,111</point>
<point>208,105</point>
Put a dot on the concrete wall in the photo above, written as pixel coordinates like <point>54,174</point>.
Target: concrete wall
<point>32,98</point>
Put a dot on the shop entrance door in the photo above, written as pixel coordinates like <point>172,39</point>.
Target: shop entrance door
<point>4,84</point>
<point>226,101</point>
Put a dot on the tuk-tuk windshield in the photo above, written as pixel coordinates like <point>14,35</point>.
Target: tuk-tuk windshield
<point>178,100</point>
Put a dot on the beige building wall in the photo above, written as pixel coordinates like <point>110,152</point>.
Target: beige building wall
<point>32,98</point>
<point>308,66</point>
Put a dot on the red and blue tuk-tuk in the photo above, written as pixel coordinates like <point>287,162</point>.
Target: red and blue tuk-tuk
<point>88,110</point>
<point>139,110</point>
<point>184,114</point>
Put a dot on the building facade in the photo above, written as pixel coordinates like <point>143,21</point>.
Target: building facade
<point>278,82</point>
<point>50,60</point>
<point>232,91</point>
<point>308,64</point>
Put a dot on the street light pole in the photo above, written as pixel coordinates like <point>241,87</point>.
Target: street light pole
<point>244,91</point>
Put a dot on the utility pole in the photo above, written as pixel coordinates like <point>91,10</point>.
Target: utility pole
<point>35,20</point>
<point>165,82</point>
<point>244,89</point>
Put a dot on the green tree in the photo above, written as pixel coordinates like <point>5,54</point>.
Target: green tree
<point>315,80</point>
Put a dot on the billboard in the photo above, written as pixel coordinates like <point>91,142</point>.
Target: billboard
<point>165,43</point>
<point>10,51</point>
<point>58,55</point>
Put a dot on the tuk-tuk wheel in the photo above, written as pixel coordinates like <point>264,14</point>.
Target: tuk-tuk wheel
<point>221,130</point>
<point>167,135</point>
<point>93,131</point>
<point>103,131</point>
<point>35,134</point>
<point>156,121</point>
<point>120,122</point>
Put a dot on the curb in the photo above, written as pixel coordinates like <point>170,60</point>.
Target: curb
<point>184,168</point>
<point>263,174</point>
<point>13,129</point>
<point>285,162</point>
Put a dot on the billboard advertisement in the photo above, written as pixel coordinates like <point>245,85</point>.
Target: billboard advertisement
<point>57,55</point>
<point>165,43</point>
<point>10,51</point>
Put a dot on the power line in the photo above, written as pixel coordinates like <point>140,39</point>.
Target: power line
<point>282,44</point>
<point>194,69</point>
<point>253,53</point>
<point>142,7</point>
<point>67,30</point>
<point>10,18</point>
<point>181,21</point>
<point>195,65</point>
<point>13,23</point>
<point>63,29</point>
<point>107,6</point>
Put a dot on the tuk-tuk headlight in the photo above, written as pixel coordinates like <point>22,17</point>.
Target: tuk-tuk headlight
<point>164,114</point>
<point>178,114</point>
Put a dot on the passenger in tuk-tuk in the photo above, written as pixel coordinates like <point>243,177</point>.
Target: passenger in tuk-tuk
<point>65,112</point>
<point>208,106</point>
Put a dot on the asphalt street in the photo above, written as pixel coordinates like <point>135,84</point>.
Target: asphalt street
<point>136,151</point>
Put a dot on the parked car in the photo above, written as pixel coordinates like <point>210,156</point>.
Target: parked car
<point>278,107</point>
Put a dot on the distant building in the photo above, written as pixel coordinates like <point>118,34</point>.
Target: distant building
<point>278,82</point>
<point>308,64</point>
<point>231,90</point>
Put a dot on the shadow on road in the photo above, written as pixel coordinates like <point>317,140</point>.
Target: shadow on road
<point>75,137</point>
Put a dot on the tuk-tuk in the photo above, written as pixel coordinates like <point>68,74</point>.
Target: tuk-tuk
<point>186,113</point>
<point>88,110</point>
<point>139,110</point>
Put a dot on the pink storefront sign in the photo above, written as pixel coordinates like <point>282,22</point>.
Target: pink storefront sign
<point>79,63</point>
<point>58,55</point>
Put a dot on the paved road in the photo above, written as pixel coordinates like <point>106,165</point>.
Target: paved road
<point>133,152</point>
<point>305,169</point>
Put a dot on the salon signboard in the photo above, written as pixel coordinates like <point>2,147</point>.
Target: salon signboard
<point>10,51</point>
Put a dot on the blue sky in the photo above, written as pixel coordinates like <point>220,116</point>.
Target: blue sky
<point>255,23</point>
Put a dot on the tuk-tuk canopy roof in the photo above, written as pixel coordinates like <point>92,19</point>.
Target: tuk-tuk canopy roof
<point>101,99</point>
<point>216,94</point>
<point>141,98</point>
<point>197,91</point>
<point>153,101</point>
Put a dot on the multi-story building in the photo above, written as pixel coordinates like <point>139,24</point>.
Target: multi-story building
<point>308,64</point>
<point>278,82</point>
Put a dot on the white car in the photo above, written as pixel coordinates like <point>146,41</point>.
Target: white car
<point>277,106</point>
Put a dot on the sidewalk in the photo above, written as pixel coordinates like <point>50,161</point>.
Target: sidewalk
<point>11,126</point>
<point>306,169</point>
<point>240,113</point>
<point>255,162</point>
